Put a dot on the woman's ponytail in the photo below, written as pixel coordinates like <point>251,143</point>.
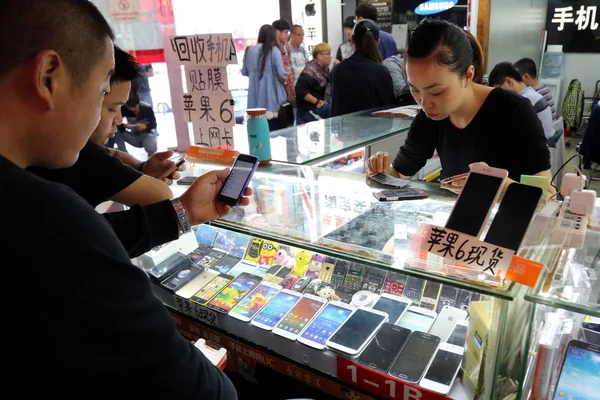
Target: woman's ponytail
<point>366,36</point>
<point>478,58</point>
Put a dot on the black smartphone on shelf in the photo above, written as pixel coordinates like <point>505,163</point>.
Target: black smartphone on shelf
<point>430,296</point>
<point>168,267</point>
<point>238,180</point>
<point>514,216</point>
<point>447,297</point>
<point>339,273</point>
<point>476,200</point>
<point>413,289</point>
<point>383,349</point>
<point>414,357</point>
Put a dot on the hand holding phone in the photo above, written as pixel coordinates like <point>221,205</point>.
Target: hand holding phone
<point>160,166</point>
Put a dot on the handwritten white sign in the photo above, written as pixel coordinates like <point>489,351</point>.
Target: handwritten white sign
<point>206,80</point>
<point>213,49</point>
<point>213,135</point>
<point>467,250</point>
<point>124,10</point>
<point>196,311</point>
<point>209,109</point>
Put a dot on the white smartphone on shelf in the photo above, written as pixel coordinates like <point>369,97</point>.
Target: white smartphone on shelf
<point>358,330</point>
<point>458,336</point>
<point>299,316</point>
<point>192,287</point>
<point>394,306</point>
<point>276,309</point>
<point>325,324</point>
<point>417,319</point>
<point>443,368</point>
<point>246,309</point>
<point>476,200</point>
<point>446,320</point>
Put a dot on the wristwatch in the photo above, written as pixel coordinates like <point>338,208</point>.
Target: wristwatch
<point>184,223</point>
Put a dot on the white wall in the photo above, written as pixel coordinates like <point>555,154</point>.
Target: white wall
<point>516,28</point>
<point>335,32</point>
<point>582,66</point>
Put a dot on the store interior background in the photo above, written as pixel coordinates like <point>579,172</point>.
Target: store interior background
<point>515,30</point>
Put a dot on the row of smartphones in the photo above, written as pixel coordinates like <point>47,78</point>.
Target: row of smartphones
<point>579,377</point>
<point>477,199</point>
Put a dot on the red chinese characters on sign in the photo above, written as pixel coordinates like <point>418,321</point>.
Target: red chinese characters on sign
<point>382,385</point>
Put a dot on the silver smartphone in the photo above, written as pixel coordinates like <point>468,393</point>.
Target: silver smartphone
<point>446,320</point>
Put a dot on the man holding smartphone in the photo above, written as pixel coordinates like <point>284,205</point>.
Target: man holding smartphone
<point>97,324</point>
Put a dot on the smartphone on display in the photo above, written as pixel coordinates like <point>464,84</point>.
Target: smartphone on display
<point>447,297</point>
<point>271,272</point>
<point>250,305</point>
<point>413,289</point>
<point>430,295</point>
<point>355,276</point>
<point>384,348</point>
<point>238,180</point>
<point>289,281</point>
<point>299,316</point>
<point>327,269</point>
<point>275,310</point>
<point>339,273</point>
<point>227,298</point>
<point>211,289</point>
<point>175,167</point>
<point>417,319</point>
<point>476,200</point>
<point>197,283</point>
<point>414,357</point>
<point>358,330</point>
<point>400,194</point>
<point>579,377</point>
<point>394,306</point>
<point>209,260</point>
<point>325,324</point>
<point>514,215</point>
<point>446,320</point>
<point>443,368</point>
<point>242,267</point>
<point>465,297</point>
<point>394,283</point>
<point>180,278</point>
<point>225,264</point>
<point>458,336</point>
<point>281,275</point>
<point>168,267</point>
<point>301,284</point>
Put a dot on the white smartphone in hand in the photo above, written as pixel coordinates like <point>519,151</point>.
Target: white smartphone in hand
<point>443,368</point>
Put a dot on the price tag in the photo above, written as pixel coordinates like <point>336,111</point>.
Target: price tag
<point>381,385</point>
<point>214,49</point>
<point>206,80</point>
<point>196,311</point>
<point>209,109</point>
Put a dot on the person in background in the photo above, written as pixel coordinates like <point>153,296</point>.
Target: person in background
<point>282,34</point>
<point>263,65</point>
<point>140,129</point>
<point>347,48</point>
<point>467,123</point>
<point>101,174</point>
<point>401,88</point>
<point>528,71</point>
<point>312,87</point>
<point>387,44</point>
<point>504,75</point>
<point>361,82</point>
<point>103,327</point>
<point>141,85</point>
<point>298,55</point>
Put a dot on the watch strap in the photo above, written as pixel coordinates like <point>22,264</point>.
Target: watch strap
<point>184,222</point>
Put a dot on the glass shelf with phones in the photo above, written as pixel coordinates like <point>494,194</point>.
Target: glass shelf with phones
<point>317,270</point>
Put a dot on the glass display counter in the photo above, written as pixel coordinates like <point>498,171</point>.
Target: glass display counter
<point>321,233</point>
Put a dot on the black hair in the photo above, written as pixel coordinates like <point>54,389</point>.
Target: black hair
<point>75,29</point>
<point>365,36</point>
<point>448,45</point>
<point>147,67</point>
<point>502,71</point>
<point>366,11</point>
<point>133,100</point>
<point>126,68</point>
<point>349,22</point>
<point>281,25</point>
<point>266,36</point>
<point>526,66</point>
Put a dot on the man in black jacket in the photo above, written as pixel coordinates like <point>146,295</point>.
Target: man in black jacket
<point>89,322</point>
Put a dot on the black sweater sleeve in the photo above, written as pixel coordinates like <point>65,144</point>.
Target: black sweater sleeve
<point>418,147</point>
<point>143,227</point>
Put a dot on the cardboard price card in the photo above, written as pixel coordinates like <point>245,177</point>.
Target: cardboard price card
<point>209,109</point>
<point>213,49</point>
<point>469,251</point>
<point>206,80</point>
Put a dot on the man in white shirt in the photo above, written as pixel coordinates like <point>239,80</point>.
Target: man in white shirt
<point>528,71</point>
<point>298,55</point>
<point>506,76</point>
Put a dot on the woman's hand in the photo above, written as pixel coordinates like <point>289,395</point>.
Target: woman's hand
<point>378,163</point>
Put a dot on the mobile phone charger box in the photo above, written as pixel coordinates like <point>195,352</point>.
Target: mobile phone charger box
<point>472,374</point>
<point>185,245</point>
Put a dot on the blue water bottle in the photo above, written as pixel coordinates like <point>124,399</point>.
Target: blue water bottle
<point>259,138</point>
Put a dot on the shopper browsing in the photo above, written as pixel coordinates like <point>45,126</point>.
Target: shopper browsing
<point>528,71</point>
<point>298,56</point>
<point>97,325</point>
<point>387,45</point>
<point>464,121</point>
<point>346,49</point>
<point>312,89</point>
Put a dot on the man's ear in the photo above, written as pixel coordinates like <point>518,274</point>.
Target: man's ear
<point>49,74</point>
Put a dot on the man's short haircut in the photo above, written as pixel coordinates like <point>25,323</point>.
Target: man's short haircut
<point>126,68</point>
<point>349,22</point>
<point>502,71</point>
<point>296,27</point>
<point>133,100</point>
<point>75,29</point>
<point>526,66</point>
<point>366,11</point>
<point>281,25</point>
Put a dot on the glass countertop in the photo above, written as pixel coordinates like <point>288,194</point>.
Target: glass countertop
<point>320,140</point>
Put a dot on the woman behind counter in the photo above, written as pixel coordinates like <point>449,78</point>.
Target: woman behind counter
<point>361,81</point>
<point>312,97</point>
<point>263,64</point>
<point>464,121</point>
